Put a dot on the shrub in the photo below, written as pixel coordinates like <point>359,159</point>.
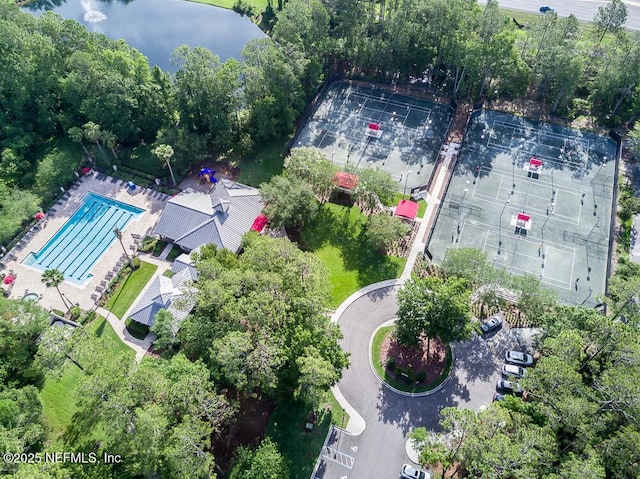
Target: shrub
<point>87,317</point>
<point>411,375</point>
<point>136,262</point>
<point>75,312</point>
<point>243,8</point>
<point>148,244</point>
<point>421,377</point>
<point>391,364</point>
<point>383,230</point>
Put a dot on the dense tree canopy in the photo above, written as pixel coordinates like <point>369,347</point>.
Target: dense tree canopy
<point>433,308</point>
<point>261,322</point>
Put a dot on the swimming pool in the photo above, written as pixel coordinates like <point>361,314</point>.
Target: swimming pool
<point>84,238</point>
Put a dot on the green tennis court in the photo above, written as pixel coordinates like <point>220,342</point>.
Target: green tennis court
<point>537,198</point>
<point>371,127</point>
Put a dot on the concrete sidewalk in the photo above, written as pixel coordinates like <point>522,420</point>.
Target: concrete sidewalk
<point>357,424</point>
<point>140,346</point>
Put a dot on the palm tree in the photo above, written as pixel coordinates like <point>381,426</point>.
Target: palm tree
<point>110,140</point>
<point>165,152</point>
<point>53,277</point>
<point>118,233</point>
<point>76,134</point>
<point>93,133</point>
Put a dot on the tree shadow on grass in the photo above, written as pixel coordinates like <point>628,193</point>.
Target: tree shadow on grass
<point>78,433</point>
<point>345,229</point>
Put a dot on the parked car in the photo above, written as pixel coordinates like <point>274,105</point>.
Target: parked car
<point>410,472</point>
<point>512,370</point>
<point>497,397</point>
<point>519,358</point>
<point>492,324</point>
<point>505,386</point>
<point>545,9</point>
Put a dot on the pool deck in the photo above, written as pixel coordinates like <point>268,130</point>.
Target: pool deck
<point>28,279</point>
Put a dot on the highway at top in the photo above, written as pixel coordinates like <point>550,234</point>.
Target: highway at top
<point>582,9</point>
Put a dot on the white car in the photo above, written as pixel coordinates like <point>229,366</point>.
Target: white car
<point>410,472</point>
<point>519,358</point>
<point>512,370</point>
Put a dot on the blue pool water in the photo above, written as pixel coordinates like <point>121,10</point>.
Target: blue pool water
<point>84,238</point>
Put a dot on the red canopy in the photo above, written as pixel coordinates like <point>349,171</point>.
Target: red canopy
<point>374,126</point>
<point>407,209</point>
<point>535,162</point>
<point>86,170</point>
<point>40,216</point>
<point>259,223</point>
<point>523,217</point>
<point>9,279</point>
<point>344,180</point>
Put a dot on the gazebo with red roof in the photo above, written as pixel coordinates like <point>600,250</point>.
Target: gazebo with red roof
<point>407,209</point>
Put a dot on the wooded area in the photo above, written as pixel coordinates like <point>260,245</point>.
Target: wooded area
<point>261,327</point>
<point>62,82</point>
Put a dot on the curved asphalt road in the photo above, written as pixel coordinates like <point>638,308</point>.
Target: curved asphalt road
<point>582,9</point>
<point>389,416</point>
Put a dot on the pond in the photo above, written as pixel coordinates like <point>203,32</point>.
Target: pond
<point>157,27</point>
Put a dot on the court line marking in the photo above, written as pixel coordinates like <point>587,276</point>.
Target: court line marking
<point>561,283</point>
<point>527,239</point>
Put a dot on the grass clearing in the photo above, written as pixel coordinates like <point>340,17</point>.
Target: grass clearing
<point>261,165</point>
<point>58,393</point>
<point>140,158</point>
<point>335,237</point>
<point>258,6</point>
<point>383,372</point>
<point>129,289</point>
<point>299,446</point>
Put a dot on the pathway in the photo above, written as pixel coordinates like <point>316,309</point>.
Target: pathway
<point>438,184</point>
<point>380,419</point>
<point>437,189</point>
<point>140,346</point>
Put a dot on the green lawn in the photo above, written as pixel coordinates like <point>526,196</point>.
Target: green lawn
<point>266,162</point>
<point>301,447</point>
<point>335,236</point>
<point>57,393</point>
<point>140,158</point>
<point>258,5</point>
<point>129,289</point>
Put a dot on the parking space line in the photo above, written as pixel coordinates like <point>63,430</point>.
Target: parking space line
<point>339,457</point>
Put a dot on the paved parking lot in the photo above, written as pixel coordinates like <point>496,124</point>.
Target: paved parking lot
<point>338,455</point>
<point>379,452</point>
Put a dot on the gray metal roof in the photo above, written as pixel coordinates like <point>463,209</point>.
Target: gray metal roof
<point>165,293</point>
<point>221,217</point>
<point>184,262</point>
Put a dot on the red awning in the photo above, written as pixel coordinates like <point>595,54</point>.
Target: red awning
<point>374,126</point>
<point>259,223</point>
<point>40,216</point>
<point>407,209</point>
<point>86,170</point>
<point>8,279</point>
<point>523,217</point>
<point>535,162</point>
<point>348,181</point>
